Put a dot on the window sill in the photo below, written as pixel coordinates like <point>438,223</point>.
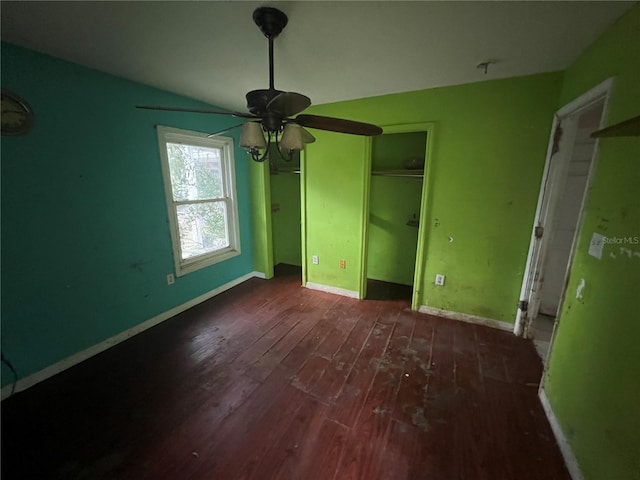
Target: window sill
<point>194,264</point>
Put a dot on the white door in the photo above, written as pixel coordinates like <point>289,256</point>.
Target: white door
<point>567,213</point>
<point>560,149</point>
<point>554,229</point>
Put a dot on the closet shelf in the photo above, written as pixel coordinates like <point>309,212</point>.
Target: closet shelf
<point>399,173</point>
<point>628,128</point>
<point>286,170</point>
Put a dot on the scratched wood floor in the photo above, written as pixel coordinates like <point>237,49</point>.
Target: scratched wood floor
<point>273,381</point>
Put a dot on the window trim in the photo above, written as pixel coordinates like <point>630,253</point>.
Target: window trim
<point>225,144</point>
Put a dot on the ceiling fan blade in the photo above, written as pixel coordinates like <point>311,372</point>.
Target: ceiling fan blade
<point>307,137</point>
<point>220,132</point>
<point>195,110</point>
<point>338,125</point>
<point>288,103</point>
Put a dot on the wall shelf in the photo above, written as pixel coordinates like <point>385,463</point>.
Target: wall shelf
<point>399,173</point>
<point>627,128</point>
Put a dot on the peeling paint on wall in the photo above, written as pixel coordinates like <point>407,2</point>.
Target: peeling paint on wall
<point>580,288</point>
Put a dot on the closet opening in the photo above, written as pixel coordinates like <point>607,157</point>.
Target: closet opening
<point>284,185</point>
<point>395,195</point>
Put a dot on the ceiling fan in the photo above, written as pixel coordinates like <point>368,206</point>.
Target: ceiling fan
<point>271,111</point>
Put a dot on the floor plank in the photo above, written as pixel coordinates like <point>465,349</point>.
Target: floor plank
<point>362,459</point>
<point>273,381</point>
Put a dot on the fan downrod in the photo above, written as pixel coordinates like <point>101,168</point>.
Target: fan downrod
<point>271,21</point>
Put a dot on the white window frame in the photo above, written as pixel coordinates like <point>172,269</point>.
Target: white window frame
<point>225,144</point>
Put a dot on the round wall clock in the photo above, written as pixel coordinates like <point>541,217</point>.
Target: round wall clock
<point>17,117</point>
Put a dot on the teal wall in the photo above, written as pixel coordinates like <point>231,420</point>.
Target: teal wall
<point>487,155</point>
<point>85,235</point>
<point>593,382</point>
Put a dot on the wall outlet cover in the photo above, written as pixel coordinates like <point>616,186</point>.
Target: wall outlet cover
<point>440,280</point>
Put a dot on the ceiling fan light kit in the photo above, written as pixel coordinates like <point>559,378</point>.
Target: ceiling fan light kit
<point>252,136</point>
<point>291,140</point>
<point>271,110</point>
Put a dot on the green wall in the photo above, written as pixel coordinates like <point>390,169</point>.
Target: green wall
<point>335,170</point>
<point>593,382</point>
<point>488,152</point>
<point>260,197</point>
<point>392,243</point>
<point>85,235</point>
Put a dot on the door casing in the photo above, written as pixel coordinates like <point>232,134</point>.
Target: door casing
<point>418,275</point>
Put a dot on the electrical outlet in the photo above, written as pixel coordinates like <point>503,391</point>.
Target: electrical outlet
<point>343,264</point>
<point>440,280</point>
<point>171,279</point>
<point>314,259</point>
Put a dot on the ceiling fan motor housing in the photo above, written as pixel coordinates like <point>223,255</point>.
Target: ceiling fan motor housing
<point>257,100</point>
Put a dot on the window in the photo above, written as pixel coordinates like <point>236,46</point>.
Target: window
<point>199,182</point>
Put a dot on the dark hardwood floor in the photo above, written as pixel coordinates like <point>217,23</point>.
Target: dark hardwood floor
<point>273,381</point>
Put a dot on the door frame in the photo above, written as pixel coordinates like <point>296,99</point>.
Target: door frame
<point>418,275</point>
<point>553,179</point>
<point>303,214</point>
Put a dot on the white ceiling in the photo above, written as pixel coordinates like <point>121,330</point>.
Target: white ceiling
<point>330,51</point>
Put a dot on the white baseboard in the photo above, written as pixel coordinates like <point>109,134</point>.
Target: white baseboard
<point>567,453</point>
<point>336,290</point>
<point>259,275</point>
<point>466,317</point>
<point>76,358</point>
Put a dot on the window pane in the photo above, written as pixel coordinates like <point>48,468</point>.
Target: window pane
<point>196,172</point>
<point>203,228</point>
